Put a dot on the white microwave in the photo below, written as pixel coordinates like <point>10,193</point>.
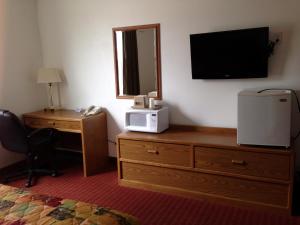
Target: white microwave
<point>147,120</point>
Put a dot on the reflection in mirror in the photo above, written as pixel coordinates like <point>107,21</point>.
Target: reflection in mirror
<point>137,61</point>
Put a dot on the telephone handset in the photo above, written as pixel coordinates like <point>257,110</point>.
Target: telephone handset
<point>92,110</point>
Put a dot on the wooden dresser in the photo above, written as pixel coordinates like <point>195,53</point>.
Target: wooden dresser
<point>207,163</point>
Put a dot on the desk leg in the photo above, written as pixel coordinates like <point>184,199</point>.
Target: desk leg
<point>94,144</point>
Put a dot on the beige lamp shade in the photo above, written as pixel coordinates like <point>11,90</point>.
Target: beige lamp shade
<point>48,75</point>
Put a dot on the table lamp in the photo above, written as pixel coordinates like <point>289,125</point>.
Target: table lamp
<point>49,76</point>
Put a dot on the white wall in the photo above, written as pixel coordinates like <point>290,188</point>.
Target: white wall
<point>77,37</point>
<point>20,57</point>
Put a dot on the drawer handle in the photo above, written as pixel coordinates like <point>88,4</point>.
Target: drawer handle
<point>238,162</point>
<point>152,151</point>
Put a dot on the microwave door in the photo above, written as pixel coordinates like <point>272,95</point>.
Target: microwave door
<point>139,121</point>
<point>136,121</point>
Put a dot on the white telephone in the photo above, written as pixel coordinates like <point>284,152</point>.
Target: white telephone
<point>92,110</point>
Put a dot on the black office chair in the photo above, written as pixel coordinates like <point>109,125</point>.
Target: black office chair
<point>37,145</point>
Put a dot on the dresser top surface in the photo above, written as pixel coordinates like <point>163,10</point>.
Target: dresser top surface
<point>206,137</point>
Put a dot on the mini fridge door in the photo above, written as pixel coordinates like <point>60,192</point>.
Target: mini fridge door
<point>264,118</point>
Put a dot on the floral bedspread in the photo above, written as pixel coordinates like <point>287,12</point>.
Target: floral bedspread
<point>19,207</point>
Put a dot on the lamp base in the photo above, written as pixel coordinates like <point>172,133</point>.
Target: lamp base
<point>52,109</point>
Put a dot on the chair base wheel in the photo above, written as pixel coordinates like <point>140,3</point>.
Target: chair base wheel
<point>54,174</point>
<point>28,184</point>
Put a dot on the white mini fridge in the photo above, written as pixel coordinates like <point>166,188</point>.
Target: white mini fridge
<point>264,117</point>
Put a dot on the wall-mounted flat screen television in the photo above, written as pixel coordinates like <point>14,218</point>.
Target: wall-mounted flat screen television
<point>230,54</point>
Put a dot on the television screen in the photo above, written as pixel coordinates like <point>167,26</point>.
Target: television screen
<point>230,54</point>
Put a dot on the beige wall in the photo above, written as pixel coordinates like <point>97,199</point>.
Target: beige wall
<point>20,56</point>
<point>76,36</point>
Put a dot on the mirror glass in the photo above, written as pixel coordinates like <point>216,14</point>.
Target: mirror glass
<point>137,61</point>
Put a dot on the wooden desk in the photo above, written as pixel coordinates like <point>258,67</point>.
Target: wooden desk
<point>93,130</point>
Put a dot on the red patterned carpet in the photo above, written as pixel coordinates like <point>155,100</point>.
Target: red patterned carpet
<point>151,208</point>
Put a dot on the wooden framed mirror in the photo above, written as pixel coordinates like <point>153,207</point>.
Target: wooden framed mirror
<point>137,61</point>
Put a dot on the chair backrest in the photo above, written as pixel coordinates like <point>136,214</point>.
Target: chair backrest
<point>12,133</point>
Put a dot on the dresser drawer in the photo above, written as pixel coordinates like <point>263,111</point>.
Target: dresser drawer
<point>214,185</point>
<point>62,125</point>
<point>67,125</point>
<point>38,123</point>
<point>173,154</point>
<point>241,162</point>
